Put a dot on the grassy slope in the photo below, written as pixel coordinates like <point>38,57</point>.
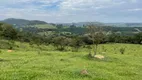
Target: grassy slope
<point>55,65</point>
<point>46,26</point>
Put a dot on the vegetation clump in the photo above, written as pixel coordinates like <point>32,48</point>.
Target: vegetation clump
<point>122,50</point>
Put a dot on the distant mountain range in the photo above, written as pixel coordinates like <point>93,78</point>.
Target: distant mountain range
<point>124,24</point>
<point>105,24</point>
<point>23,22</point>
<point>80,24</point>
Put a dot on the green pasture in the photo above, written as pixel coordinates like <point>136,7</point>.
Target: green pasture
<point>31,62</point>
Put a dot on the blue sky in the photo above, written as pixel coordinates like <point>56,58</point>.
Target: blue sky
<point>73,10</point>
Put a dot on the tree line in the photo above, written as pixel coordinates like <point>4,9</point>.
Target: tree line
<point>92,35</point>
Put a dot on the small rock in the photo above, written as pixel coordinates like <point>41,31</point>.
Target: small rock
<point>84,72</point>
<point>99,56</point>
<point>9,50</point>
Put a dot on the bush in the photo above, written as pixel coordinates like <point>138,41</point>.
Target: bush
<point>11,44</point>
<point>76,43</point>
<point>61,42</point>
<point>122,50</point>
<point>4,44</point>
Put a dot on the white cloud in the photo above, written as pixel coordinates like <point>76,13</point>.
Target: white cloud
<point>133,1</point>
<point>136,9</point>
<point>86,4</point>
<point>68,10</point>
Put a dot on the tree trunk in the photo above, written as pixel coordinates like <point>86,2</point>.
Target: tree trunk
<point>95,50</point>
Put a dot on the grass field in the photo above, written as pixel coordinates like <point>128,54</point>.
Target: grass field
<point>30,63</point>
<point>45,26</point>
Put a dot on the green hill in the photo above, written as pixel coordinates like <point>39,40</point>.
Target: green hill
<point>22,22</point>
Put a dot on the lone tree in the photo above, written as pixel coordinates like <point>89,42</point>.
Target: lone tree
<point>96,35</point>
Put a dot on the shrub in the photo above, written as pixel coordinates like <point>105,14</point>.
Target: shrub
<point>61,42</point>
<point>76,43</point>
<point>104,49</point>
<point>122,50</point>
<point>11,44</point>
<point>90,56</point>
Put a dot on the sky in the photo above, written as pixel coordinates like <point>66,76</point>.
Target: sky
<point>65,11</point>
